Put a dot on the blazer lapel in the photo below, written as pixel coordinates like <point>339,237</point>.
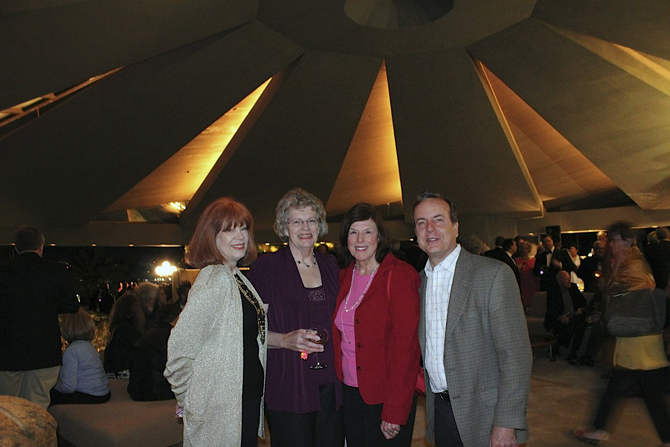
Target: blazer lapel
<point>460,290</point>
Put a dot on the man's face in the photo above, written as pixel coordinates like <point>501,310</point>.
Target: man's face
<point>513,248</point>
<point>435,232</point>
<point>599,249</point>
<point>547,243</point>
<point>563,279</point>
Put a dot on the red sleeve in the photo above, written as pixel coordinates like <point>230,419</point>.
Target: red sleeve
<point>401,345</point>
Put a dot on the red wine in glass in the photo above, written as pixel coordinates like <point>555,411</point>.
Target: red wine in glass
<point>322,333</point>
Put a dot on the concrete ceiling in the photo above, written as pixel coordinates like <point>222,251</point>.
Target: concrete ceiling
<point>511,107</point>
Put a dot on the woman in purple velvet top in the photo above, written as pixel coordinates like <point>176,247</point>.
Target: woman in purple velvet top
<point>300,287</point>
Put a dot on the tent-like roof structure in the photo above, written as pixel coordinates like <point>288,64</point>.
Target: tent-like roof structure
<point>526,113</point>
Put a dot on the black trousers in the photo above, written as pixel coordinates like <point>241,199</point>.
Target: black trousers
<point>446,431</point>
<point>652,386</point>
<point>58,398</point>
<point>362,422</point>
<point>251,413</point>
<point>566,332</point>
<point>315,429</point>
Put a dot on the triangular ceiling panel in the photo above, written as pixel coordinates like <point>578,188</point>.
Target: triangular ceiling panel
<point>113,134</point>
<point>300,140</point>
<point>182,174</point>
<point>613,118</point>
<point>53,45</point>
<point>372,157</point>
<point>449,138</point>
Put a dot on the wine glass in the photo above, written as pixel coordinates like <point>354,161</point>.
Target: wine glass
<point>322,333</point>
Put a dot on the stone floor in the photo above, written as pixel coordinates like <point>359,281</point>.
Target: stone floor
<point>562,398</point>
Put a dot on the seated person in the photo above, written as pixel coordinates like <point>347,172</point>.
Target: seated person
<point>565,314</point>
<point>149,357</point>
<point>126,325</point>
<point>82,379</point>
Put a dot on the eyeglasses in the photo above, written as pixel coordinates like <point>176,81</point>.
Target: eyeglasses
<point>298,223</point>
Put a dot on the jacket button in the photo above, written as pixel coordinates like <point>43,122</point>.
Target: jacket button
<point>358,367</point>
<point>357,320</point>
<point>359,345</point>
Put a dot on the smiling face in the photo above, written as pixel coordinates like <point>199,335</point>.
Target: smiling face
<point>547,243</point>
<point>435,232</point>
<point>303,228</point>
<point>362,240</point>
<point>233,244</point>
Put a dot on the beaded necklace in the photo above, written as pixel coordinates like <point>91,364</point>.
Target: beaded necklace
<point>306,264</point>
<point>346,300</point>
<point>260,312</point>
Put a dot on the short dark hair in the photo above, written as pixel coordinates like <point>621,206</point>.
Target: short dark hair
<point>168,312</point>
<point>359,213</point>
<point>77,326</point>
<point>500,240</point>
<point>184,286</point>
<point>28,238</point>
<point>222,214</point>
<point>433,195</point>
<point>507,244</point>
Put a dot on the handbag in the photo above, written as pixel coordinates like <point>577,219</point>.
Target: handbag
<point>636,313</point>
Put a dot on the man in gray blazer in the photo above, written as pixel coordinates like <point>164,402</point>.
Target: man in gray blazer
<point>473,337</point>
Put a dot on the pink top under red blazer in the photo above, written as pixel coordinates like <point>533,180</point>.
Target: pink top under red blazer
<point>387,344</point>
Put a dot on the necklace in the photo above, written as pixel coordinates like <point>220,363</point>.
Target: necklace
<point>306,264</point>
<point>367,286</point>
<point>346,300</point>
<point>260,312</point>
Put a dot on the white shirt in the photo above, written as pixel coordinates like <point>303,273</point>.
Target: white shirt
<point>438,289</point>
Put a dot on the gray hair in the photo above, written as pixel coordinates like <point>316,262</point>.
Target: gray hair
<point>298,198</point>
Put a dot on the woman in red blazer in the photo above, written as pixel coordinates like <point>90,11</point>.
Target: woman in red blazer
<point>375,334</point>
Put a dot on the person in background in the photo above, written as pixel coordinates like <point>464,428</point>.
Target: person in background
<point>300,287</point>
<point>82,378</point>
<point>126,326</point>
<point>530,284</point>
<point>591,268</point>
<point>473,336</point>
<point>658,257</point>
<point>33,291</point>
<point>473,244</point>
<point>375,334</point>
<point>152,298</point>
<point>149,356</point>
<point>182,293</point>
<point>550,261</point>
<point>639,361</point>
<point>218,348</point>
<point>565,316</point>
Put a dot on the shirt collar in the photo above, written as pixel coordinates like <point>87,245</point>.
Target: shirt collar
<point>450,260</point>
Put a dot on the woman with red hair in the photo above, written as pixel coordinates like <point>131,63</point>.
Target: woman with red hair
<point>217,350</point>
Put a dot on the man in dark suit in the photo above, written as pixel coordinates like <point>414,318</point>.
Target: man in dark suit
<point>551,261</point>
<point>473,337</point>
<point>565,315</point>
<point>33,291</point>
<point>658,257</point>
<point>591,268</point>
<point>506,253</point>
